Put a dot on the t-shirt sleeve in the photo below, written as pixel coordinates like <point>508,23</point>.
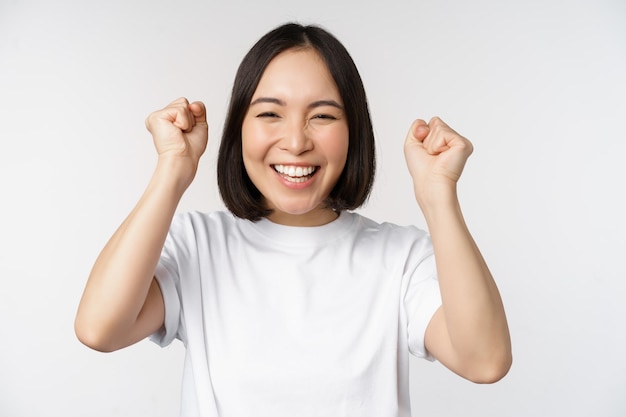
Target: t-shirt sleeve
<point>166,277</point>
<point>422,298</point>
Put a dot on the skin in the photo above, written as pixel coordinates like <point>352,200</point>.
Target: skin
<point>296,119</point>
<point>122,303</point>
<point>469,332</point>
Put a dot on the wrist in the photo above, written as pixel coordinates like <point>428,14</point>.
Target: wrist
<point>174,174</point>
<point>436,196</point>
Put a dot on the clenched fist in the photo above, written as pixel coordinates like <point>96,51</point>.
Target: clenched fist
<point>180,134</point>
<point>435,155</point>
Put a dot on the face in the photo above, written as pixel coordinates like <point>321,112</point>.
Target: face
<point>295,138</point>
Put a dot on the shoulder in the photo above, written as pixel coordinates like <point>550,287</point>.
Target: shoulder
<point>200,234</point>
<point>196,225</point>
<point>391,238</point>
<point>387,230</point>
<point>200,220</point>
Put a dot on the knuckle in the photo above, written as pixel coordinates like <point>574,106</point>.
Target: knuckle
<point>180,100</point>
<point>150,120</point>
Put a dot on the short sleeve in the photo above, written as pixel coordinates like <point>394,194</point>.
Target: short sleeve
<point>174,256</point>
<point>166,276</point>
<point>421,301</point>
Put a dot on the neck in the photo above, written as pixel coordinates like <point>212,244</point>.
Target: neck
<point>313,218</point>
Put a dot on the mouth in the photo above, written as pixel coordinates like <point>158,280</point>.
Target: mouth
<point>295,174</point>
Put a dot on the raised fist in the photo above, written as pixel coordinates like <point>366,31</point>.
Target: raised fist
<point>179,130</point>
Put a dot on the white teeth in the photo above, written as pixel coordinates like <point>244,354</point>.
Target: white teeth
<point>294,172</point>
<point>295,179</point>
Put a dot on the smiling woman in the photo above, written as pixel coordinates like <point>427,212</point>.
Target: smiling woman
<point>337,73</point>
<point>290,304</point>
<point>296,122</point>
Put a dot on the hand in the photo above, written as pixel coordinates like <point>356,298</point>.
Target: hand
<point>180,131</point>
<point>435,155</point>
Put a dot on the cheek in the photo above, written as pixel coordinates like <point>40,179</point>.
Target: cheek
<point>336,144</point>
<point>252,144</point>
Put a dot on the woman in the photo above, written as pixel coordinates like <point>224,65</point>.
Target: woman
<point>291,304</point>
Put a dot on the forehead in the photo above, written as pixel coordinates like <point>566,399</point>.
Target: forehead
<point>297,72</point>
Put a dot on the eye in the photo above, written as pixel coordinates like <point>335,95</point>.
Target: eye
<point>268,114</point>
<point>324,117</point>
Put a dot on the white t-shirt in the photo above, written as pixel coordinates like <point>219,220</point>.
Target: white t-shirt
<point>283,321</point>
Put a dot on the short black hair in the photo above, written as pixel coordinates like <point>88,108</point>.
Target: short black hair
<point>354,185</point>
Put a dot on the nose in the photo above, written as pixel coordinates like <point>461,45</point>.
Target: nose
<point>296,139</point>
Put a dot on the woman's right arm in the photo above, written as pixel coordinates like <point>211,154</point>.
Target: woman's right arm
<point>122,303</point>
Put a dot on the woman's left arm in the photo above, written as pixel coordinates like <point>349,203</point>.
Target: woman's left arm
<point>469,333</point>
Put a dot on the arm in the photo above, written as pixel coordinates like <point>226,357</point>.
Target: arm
<point>122,303</point>
<point>469,333</point>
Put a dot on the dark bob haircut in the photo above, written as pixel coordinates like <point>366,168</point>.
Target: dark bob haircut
<point>353,187</point>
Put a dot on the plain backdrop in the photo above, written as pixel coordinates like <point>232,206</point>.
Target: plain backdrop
<point>538,86</point>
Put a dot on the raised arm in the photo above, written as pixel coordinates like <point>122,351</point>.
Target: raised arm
<point>469,333</point>
<point>122,302</point>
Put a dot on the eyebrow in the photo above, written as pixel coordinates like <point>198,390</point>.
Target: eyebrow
<point>312,105</point>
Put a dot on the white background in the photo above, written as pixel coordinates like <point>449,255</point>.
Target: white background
<point>538,86</point>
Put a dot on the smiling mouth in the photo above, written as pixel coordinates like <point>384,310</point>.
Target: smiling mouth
<point>295,173</point>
